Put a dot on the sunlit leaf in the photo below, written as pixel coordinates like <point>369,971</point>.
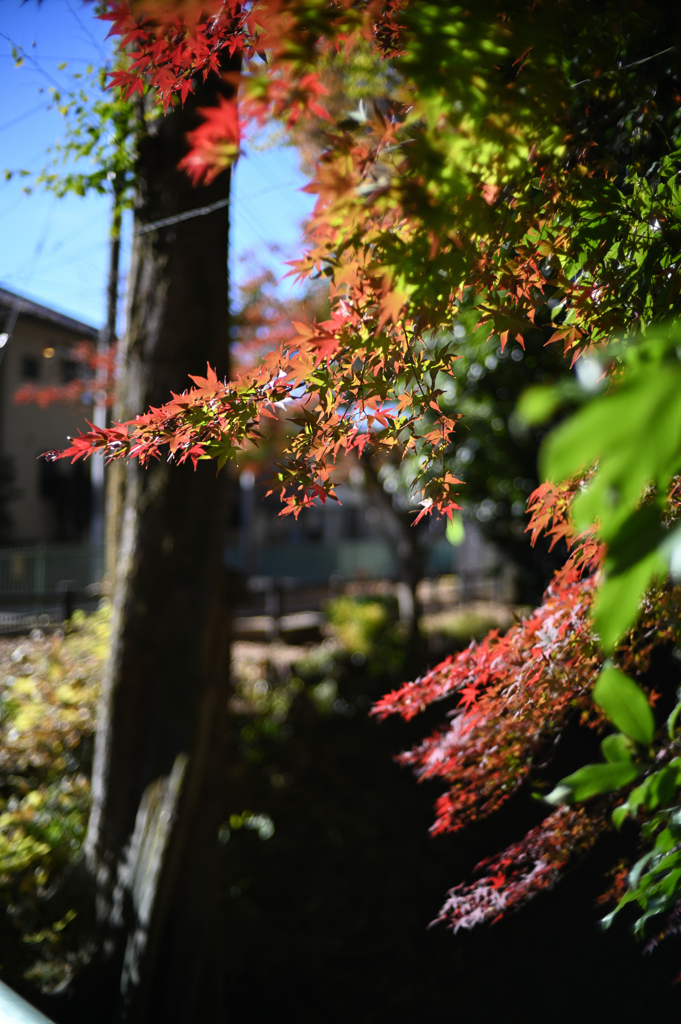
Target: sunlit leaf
<point>616,748</point>
<point>593,780</point>
<point>625,704</point>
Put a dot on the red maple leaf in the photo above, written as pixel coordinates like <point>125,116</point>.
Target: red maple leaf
<point>215,143</point>
<point>468,695</point>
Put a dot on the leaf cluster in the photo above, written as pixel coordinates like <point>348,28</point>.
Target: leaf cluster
<point>97,150</point>
<point>515,696</point>
<point>633,434</point>
<point>479,174</point>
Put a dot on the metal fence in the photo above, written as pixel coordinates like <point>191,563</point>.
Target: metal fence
<point>47,581</point>
<point>365,558</point>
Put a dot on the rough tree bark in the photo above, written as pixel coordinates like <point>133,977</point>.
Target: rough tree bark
<point>151,847</point>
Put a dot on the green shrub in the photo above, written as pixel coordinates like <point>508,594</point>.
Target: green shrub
<point>49,687</point>
<point>468,622</point>
<point>366,630</point>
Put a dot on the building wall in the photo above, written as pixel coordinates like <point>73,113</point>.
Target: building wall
<point>50,500</point>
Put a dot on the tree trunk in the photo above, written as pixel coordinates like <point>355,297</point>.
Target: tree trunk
<point>398,531</point>
<point>152,847</point>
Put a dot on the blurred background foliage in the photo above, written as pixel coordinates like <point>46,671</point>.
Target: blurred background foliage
<point>319,813</point>
<point>368,630</point>
<point>496,450</point>
<point>49,687</point>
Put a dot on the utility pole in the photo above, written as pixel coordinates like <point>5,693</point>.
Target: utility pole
<point>107,337</point>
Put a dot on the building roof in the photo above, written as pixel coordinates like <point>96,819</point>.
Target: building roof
<point>10,300</point>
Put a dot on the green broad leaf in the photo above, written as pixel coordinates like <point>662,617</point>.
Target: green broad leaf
<point>662,786</point>
<point>454,531</point>
<point>613,427</point>
<point>637,870</point>
<point>619,597</point>
<point>616,748</point>
<point>625,704</point>
<point>537,404</point>
<point>632,538</point>
<point>629,897</point>
<point>636,556</point>
<point>560,794</point>
<point>632,432</point>
<point>671,721</point>
<point>619,815</point>
<point>592,780</point>
<point>637,797</point>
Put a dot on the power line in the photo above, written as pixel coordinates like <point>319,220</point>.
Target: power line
<point>87,31</point>
<point>22,117</point>
<point>36,65</point>
<point>252,221</point>
<point>16,308</point>
<point>202,211</point>
<point>165,222</point>
<point>53,56</point>
<point>31,263</point>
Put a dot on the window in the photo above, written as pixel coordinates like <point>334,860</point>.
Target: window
<point>30,368</point>
<point>69,371</point>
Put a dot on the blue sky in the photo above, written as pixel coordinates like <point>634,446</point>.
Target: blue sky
<point>55,250</point>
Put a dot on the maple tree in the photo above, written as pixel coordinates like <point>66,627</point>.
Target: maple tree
<point>523,168</point>
<point>374,199</point>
